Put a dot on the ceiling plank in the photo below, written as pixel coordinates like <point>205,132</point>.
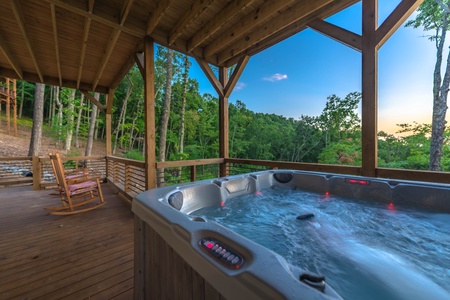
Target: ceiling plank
<point>252,20</point>
<point>295,13</point>
<point>20,21</point>
<point>93,100</point>
<point>135,31</point>
<point>236,75</point>
<point>55,35</point>
<point>157,15</point>
<point>211,76</point>
<point>87,26</point>
<point>337,33</point>
<point>216,23</point>
<point>11,58</point>
<point>403,10</point>
<point>108,51</point>
<point>196,9</point>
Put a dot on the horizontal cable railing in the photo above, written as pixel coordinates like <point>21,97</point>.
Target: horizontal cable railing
<point>15,171</point>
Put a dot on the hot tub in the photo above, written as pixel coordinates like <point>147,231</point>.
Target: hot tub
<point>181,255</point>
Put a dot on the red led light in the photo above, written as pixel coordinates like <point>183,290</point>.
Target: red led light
<point>327,193</point>
<point>209,245</point>
<point>391,206</point>
<point>258,193</point>
<point>357,181</point>
<point>222,203</point>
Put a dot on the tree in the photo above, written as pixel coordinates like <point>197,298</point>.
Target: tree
<point>90,140</point>
<point>70,120</point>
<point>38,119</point>
<point>434,15</point>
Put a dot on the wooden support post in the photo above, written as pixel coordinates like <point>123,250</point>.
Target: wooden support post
<point>109,103</point>
<point>150,131</point>
<point>369,87</point>
<point>223,122</point>
<point>8,106</point>
<point>15,106</point>
<point>36,173</point>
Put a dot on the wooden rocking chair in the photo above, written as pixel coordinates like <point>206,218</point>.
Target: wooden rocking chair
<point>78,193</point>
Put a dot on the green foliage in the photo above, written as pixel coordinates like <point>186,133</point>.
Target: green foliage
<point>134,154</point>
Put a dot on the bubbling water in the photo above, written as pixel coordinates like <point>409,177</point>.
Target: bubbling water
<point>365,250</point>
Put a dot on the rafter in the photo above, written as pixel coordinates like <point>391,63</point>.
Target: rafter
<point>109,48</point>
<point>403,10</point>
<point>91,6</point>
<point>125,11</point>
<point>157,14</point>
<point>129,64</point>
<point>337,33</point>
<point>236,75</point>
<point>295,13</point>
<point>139,59</point>
<point>196,9</point>
<point>215,24</point>
<point>19,18</point>
<point>132,30</point>
<point>10,57</point>
<point>55,36</point>
<point>87,26</point>
<point>252,20</point>
<point>93,100</point>
<point>211,76</point>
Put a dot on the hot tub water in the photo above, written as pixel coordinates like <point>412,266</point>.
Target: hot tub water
<point>366,250</point>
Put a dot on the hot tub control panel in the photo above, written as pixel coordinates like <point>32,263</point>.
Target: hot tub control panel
<point>222,253</point>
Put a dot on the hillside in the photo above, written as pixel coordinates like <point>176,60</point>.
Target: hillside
<point>11,145</point>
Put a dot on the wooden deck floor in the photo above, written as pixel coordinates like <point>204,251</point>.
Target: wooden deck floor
<point>85,256</point>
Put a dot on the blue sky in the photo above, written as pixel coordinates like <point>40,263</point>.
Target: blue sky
<point>296,76</point>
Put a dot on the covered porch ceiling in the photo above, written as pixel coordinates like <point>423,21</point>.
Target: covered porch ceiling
<point>92,44</point>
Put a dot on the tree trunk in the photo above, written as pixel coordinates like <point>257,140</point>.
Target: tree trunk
<point>122,115</point>
<point>22,92</point>
<point>165,116</point>
<point>77,129</point>
<point>60,111</point>
<point>90,140</point>
<point>183,110</point>
<point>440,93</point>
<point>70,120</point>
<point>38,119</point>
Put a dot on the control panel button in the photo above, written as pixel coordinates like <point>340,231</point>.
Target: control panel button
<point>224,254</point>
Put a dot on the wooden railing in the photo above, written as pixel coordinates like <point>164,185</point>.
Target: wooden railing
<point>128,175</point>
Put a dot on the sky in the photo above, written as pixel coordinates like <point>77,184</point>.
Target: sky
<point>296,76</point>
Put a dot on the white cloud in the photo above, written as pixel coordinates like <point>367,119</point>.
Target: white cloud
<point>276,77</point>
<point>239,86</point>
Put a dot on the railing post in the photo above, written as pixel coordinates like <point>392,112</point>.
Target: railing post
<point>36,173</point>
<point>193,173</point>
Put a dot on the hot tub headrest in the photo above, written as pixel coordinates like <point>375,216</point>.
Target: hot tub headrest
<point>284,177</point>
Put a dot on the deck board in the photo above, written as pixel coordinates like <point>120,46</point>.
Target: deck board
<point>82,256</point>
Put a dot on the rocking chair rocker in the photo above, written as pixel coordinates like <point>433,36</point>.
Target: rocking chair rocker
<point>78,193</point>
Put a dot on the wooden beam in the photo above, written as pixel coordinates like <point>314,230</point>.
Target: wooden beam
<point>126,66</point>
<point>402,12</point>
<point>125,11</point>
<point>247,24</point>
<point>132,30</point>
<point>294,28</point>
<point>55,37</point>
<point>149,112</point>
<point>217,85</point>
<point>139,59</point>
<point>20,21</point>
<point>91,6</point>
<point>108,51</point>
<point>295,13</point>
<point>236,75</point>
<point>226,14</point>
<point>157,15</point>
<point>87,26</point>
<point>93,100</point>
<point>53,81</point>
<point>369,88</point>
<point>337,33</point>
<point>11,58</point>
<point>195,10</point>
<point>224,151</point>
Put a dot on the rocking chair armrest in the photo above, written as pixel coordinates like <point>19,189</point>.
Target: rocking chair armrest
<point>80,180</point>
